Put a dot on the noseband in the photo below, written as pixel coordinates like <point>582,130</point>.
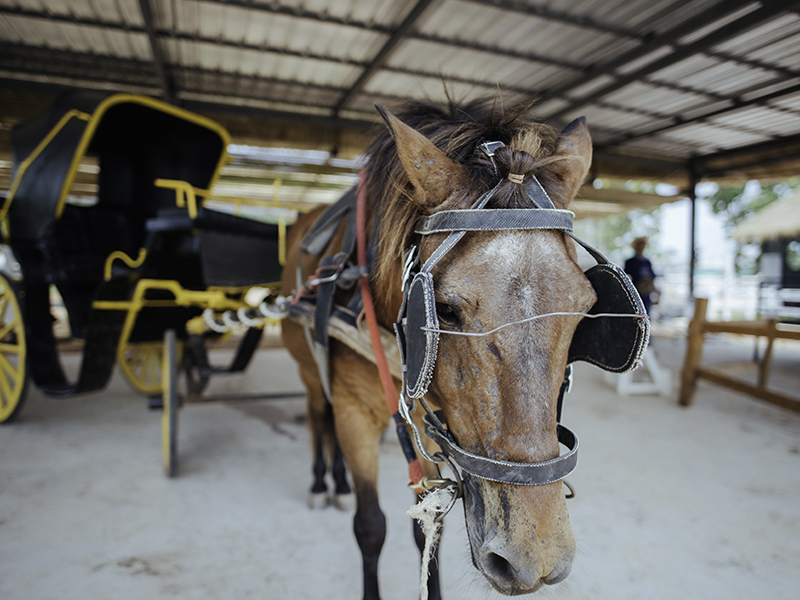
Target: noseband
<point>418,332</point>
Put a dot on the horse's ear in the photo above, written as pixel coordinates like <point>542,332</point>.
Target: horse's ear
<point>430,171</point>
<point>575,145</point>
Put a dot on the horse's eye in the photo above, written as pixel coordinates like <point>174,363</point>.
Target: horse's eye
<point>447,315</point>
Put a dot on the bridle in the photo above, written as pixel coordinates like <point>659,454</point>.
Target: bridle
<point>418,333</point>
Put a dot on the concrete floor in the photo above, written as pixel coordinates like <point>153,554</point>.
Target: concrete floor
<point>699,503</point>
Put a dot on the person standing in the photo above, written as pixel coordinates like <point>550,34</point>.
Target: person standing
<point>640,270</point>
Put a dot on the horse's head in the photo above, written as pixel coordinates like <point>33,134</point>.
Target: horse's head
<point>499,391</point>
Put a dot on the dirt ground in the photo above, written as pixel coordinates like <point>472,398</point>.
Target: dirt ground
<point>699,503</point>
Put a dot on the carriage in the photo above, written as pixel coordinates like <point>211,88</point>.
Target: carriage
<point>106,214</point>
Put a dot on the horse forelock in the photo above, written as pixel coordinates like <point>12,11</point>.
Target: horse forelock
<point>458,131</point>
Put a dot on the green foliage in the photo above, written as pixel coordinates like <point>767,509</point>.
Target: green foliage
<point>737,202</point>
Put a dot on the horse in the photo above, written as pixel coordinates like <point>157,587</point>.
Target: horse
<point>497,391</point>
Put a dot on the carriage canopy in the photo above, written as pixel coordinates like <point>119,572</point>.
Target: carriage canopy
<point>137,139</point>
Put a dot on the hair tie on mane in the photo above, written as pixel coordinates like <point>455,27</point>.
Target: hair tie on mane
<point>515,178</point>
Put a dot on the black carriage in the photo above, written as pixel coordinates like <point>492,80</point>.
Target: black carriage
<point>133,253</point>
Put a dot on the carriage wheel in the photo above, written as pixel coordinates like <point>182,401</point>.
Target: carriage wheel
<point>13,353</point>
<point>141,364</point>
<point>169,416</point>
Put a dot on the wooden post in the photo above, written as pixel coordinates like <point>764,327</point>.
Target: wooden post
<point>694,353</point>
<point>765,366</point>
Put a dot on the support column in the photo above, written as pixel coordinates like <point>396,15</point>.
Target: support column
<point>693,179</point>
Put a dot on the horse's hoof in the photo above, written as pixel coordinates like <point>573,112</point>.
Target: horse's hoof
<point>344,502</point>
<point>317,501</point>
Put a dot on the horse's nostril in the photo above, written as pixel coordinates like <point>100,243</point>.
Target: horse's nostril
<point>507,579</point>
<point>499,567</point>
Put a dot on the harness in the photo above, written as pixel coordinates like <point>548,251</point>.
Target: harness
<point>601,338</point>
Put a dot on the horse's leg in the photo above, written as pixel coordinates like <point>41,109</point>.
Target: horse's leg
<point>317,410</point>
<point>369,526</point>
<point>360,418</point>
<point>343,495</point>
<point>360,442</point>
<point>318,496</point>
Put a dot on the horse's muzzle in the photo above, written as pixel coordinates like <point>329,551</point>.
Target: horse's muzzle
<point>513,580</point>
<point>516,559</point>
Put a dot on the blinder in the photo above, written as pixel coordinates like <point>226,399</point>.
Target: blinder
<point>419,351</point>
<point>613,344</point>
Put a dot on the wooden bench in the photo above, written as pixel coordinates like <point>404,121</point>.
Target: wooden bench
<point>771,329</point>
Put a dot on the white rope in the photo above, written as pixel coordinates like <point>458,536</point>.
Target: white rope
<point>425,511</point>
<point>534,318</point>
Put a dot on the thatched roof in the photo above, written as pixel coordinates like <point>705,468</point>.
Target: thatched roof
<point>777,220</point>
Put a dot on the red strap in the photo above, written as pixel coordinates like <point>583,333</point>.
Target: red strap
<point>387,381</point>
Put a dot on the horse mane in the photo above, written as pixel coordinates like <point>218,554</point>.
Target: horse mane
<point>457,130</point>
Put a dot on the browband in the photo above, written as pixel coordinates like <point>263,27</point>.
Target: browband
<point>487,219</point>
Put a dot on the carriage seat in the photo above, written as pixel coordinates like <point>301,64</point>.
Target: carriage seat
<point>177,219</point>
<point>234,251</point>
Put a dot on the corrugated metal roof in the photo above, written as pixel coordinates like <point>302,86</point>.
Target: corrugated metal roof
<point>664,80</point>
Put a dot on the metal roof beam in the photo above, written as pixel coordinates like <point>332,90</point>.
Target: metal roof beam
<point>540,58</point>
<point>558,16</point>
<point>738,104</point>
<point>779,144</point>
<point>132,66</point>
<point>652,44</point>
<point>508,4</point>
<point>383,55</point>
<point>169,91</point>
<point>88,65</point>
<point>67,63</point>
<point>183,37</point>
<point>748,21</point>
<point>544,12</point>
<point>788,157</point>
<point>317,119</point>
<point>298,13</point>
<point>56,58</point>
<point>193,38</point>
<point>765,154</point>
<point>196,39</point>
<point>74,20</point>
<point>602,156</point>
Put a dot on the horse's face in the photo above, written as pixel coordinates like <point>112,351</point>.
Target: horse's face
<point>499,392</point>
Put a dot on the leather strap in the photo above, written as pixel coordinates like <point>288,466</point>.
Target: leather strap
<point>537,473</point>
<point>496,220</point>
<point>324,228</point>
